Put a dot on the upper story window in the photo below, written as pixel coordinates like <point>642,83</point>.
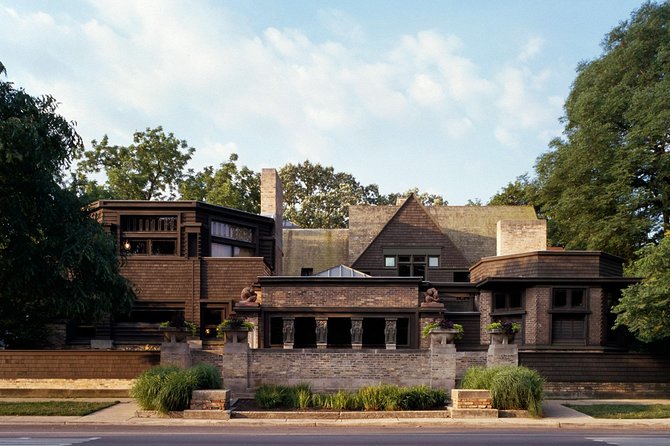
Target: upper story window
<point>232,232</point>
<point>149,223</point>
<point>411,262</point>
<point>507,300</point>
<point>568,299</point>
<point>149,235</point>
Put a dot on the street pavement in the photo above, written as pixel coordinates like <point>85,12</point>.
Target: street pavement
<point>555,415</point>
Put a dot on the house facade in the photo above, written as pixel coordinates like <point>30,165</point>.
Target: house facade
<point>360,287</point>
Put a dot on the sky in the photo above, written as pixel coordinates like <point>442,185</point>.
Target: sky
<point>457,98</point>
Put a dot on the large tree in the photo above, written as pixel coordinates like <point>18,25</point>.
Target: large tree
<point>606,184</point>
<point>150,168</point>
<point>55,261</point>
<point>318,197</point>
<point>230,186</point>
<point>645,307</point>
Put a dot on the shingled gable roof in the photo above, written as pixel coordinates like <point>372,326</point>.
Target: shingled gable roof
<point>415,227</point>
<point>471,228</point>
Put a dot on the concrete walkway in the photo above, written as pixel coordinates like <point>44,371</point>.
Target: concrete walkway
<point>555,415</point>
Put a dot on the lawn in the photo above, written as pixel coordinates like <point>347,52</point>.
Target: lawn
<point>51,408</point>
<point>621,411</point>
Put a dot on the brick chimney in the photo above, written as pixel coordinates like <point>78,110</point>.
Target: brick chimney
<point>272,205</point>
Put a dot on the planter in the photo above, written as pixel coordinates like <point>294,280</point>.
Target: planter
<point>498,336</point>
<point>174,334</point>
<point>443,336</point>
<point>235,335</point>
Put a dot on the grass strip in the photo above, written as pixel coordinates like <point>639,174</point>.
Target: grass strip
<point>52,408</point>
<point>623,411</point>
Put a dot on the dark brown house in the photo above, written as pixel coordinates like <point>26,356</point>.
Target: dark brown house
<point>185,257</point>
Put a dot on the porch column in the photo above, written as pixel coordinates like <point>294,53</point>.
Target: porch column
<point>356,333</point>
<point>288,331</point>
<point>321,332</point>
<point>390,332</point>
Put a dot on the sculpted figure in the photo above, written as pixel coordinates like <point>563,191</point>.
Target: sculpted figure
<point>248,294</point>
<point>431,296</point>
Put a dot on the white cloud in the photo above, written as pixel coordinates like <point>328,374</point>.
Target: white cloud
<point>531,49</point>
<point>275,94</point>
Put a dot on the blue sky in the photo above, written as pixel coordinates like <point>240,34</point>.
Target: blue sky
<point>454,97</point>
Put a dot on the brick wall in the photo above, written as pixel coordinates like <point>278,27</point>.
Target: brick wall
<point>74,364</point>
<point>337,369</point>
<point>597,319</point>
<point>517,236</point>
<point>537,323</point>
<point>324,295</point>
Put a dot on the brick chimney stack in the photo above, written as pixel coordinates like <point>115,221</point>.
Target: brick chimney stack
<point>272,205</point>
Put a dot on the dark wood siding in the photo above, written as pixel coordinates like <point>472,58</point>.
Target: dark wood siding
<point>598,367</point>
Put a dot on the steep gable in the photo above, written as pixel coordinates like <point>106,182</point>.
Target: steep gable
<point>410,227</point>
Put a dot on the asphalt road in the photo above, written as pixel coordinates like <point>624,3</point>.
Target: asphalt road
<point>250,435</point>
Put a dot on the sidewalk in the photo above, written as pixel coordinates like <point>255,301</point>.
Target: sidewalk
<point>555,415</point>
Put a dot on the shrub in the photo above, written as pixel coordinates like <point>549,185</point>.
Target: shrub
<point>175,392</point>
<point>518,388</point>
<point>301,396</point>
<point>479,377</point>
<point>269,396</point>
<point>169,388</point>
<point>422,398</point>
<point>207,376</point>
<point>511,387</point>
<point>147,386</point>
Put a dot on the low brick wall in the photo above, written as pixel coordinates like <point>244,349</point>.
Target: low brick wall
<point>75,364</point>
<point>333,370</point>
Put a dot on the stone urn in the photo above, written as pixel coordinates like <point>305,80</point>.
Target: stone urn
<point>498,336</point>
<point>174,334</point>
<point>443,336</point>
<point>235,335</point>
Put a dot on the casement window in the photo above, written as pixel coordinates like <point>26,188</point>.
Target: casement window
<point>507,301</point>
<point>411,262</point>
<point>230,240</point>
<point>149,235</point>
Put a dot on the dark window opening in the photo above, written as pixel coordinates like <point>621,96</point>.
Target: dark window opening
<point>158,247</point>
<point>461,276</point>
<point>373,332</point>
<point>567,298</point>
<point>339,332</point>
<point>402,334</point>
<point>210,318</point>
<point>306,271</point>
<point>304,332</point>
<point>193,245</point>
<point>276,331</point>
<point>508,300</point>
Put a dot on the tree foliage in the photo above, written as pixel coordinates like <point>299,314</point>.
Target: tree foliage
<point>606,185</point>
<point>645,307</point>
<point>55,261</point>
<point>521,192</point>
<point>318,197</point>
<point>150,168</point>
<point>229,186</point>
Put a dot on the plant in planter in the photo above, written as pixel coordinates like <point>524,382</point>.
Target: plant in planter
<point>448,331</point>
<point>234,329</point>
<point>503,332</point>
<point>177,329</point>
